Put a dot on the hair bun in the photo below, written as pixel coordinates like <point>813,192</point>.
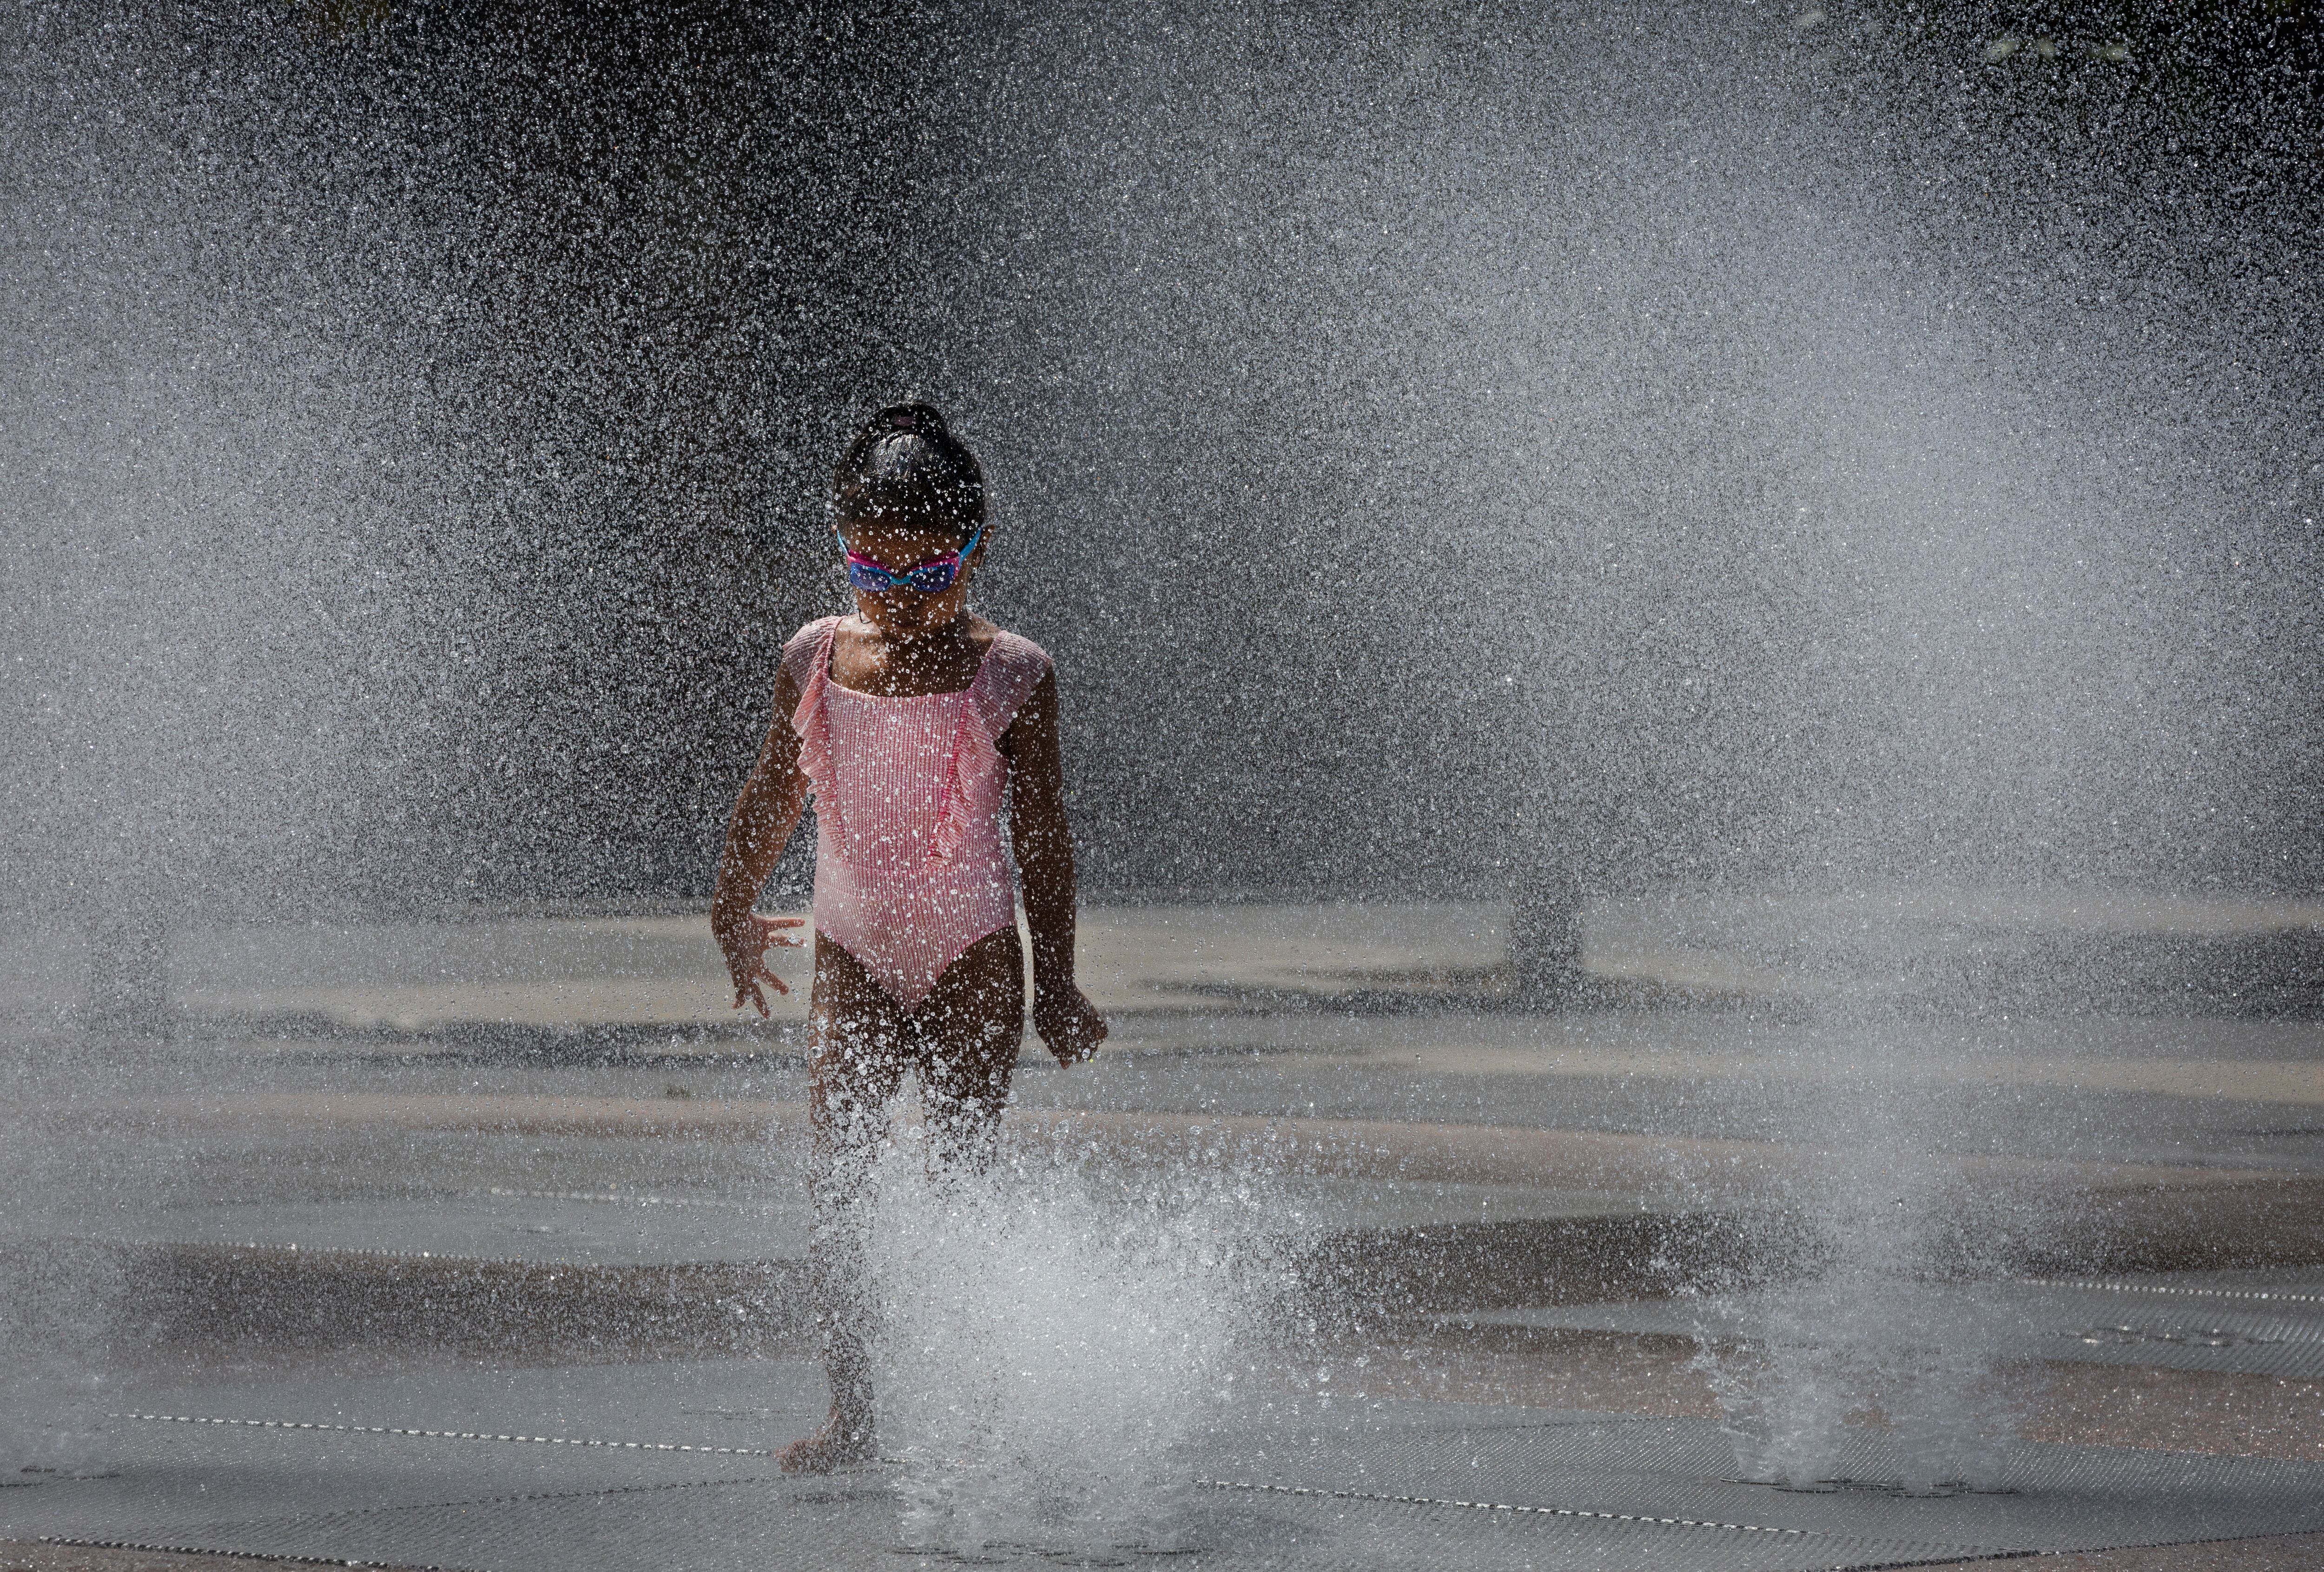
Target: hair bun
<point>918,419</point>
<point>933,477</point>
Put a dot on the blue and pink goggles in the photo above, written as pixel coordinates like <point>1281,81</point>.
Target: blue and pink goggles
<point>933,577</point>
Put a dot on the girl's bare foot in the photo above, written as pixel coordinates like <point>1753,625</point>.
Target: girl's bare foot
<point>841,1441</point>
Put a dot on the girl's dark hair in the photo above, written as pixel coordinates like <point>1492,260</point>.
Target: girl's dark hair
<point>905,465</point>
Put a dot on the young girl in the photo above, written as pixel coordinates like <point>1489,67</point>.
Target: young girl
<point>907,721</point>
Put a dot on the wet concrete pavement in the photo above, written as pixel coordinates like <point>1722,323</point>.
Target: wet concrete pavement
<point>573,1088</point>
<point>544,1138</point>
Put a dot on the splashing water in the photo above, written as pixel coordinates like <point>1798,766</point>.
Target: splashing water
<point>54,1381</point>
<point>1050,1346</point>
<point>52,1419</point>
<point>1857,1352</point>
<point>1890,1344</point>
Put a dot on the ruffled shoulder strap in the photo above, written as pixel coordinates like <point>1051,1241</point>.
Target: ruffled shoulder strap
<point>1013,666</point>
<point>807,656</point>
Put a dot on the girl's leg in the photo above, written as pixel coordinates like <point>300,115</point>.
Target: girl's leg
<point>860,1052</point>
<point>970,1026</point>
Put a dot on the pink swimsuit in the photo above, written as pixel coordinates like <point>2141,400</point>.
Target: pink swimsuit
<point>909,869</point>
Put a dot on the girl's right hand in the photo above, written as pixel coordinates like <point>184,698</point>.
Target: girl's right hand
<point>746,955</point>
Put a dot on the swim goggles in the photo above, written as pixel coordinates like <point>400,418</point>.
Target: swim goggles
<point>933,577</point>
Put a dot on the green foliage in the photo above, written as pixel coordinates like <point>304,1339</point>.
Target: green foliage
<point>2208,64</point>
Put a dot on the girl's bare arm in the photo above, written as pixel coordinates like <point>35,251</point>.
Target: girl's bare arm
<point>1067,1022</point>
<point>765,815</point>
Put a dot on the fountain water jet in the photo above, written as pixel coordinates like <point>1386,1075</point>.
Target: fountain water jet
<point>1054,1349</point>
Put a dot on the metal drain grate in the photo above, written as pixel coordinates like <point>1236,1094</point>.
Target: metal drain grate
<point>2178,1337</point>
<point>731,1527</point>
<point>1364,1488</point>
<point>2274,1329</point>
<point>455,1435</point>
<point>1556,1511</point>
<point>2049,1497</point>
<point>144,1548</point>
<point>2178,1289</point>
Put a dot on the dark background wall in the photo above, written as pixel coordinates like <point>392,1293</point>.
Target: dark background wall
<point>1711,446</point>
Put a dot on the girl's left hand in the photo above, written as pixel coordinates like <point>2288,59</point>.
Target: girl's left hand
<point>1068,1023</point>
